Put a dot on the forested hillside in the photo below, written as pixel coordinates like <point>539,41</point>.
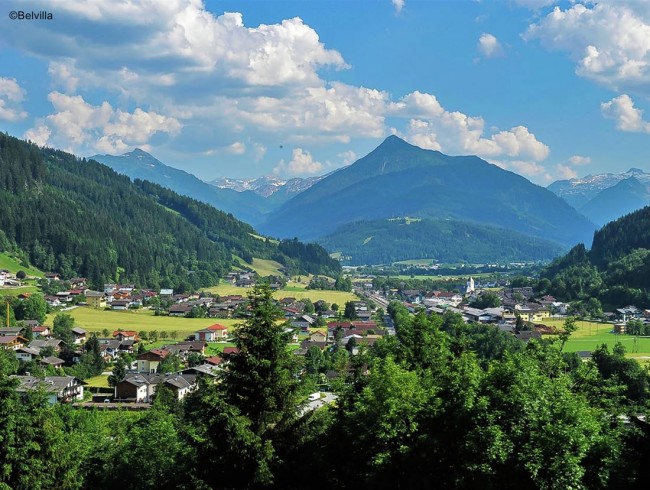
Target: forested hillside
<point>80,218</point>
<point>387,241</point>
<point>616,270</point>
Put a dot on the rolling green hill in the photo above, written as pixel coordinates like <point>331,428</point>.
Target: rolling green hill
<point>80,218</point>
<point>387,241</point>
<point>399,179</point>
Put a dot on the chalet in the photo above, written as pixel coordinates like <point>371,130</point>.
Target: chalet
<point>126,335</point>
<point>318,336</point>
<point>27,354</point>
<point>109,288</point>
<point>55,362</point>
<point>148,362</point>
<point>219,310</point>
<point>59,389</point>
<point>56,344</point>
<point>110,348</point>
<point>214,360</point>
<point>230,350</point>
<point>64,296</point>
<point>32,324</point>
<point>180,309</point>
<point>53,276</point>
<point>53,301</point>
<point>10,331</point>
<point>212,333</point>
<point>303,322</point>
<point>79,335</point>
<point>121,304</point>
<point>187,347</point>
<point>166,294</point>
<point>12,342</point>
<point>95,299</point>
<point>141,388</point>
<point>78,282</point>
<point>627,313</point>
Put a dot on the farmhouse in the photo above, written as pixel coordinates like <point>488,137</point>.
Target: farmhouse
<point>212,333</point>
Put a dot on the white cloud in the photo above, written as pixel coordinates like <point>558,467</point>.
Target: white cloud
<point>628,118</point>
<point>347,157</point>
<point>399,5</point>
<point>565,172</point>
<point>11,95</point>
<point>79,126</point>
<point>237,148</point>
<point>610,42</point>
<point>433,127</point>
<point>527,168</point>
<point>579,160</point>
<point>489,46</point>
<point>301,163</point>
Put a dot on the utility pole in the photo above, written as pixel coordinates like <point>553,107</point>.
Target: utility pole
<point>7,319</point>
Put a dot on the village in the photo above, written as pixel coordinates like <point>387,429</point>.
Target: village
<point>177,363</point>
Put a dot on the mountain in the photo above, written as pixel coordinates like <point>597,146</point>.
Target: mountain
<point>398,179</point>
<point>138,164</point>
<point>81,218</point>
<point>268,185</point>
<point>390,240</point>
<point>616,270</point>
<point>578,192</point>
<point>622,198</point>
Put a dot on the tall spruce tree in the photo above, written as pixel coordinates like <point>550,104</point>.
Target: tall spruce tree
<point>260,380</point>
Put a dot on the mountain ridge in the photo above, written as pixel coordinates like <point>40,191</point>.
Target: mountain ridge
<point>398,178</point>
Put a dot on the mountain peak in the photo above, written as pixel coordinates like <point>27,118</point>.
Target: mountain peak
<point>138,152</point>
<point>394,142</point>
<point>635,171</point>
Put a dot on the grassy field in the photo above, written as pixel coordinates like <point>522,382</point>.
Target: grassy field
<point>294,290</point>
<point>590,335</point>
<point>12,265</point>
<point>263,267</point>
<point>100,381</point>
<point>95,320</point>
<point>7,291</point>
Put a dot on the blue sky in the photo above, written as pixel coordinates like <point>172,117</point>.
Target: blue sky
<point>246,88</point>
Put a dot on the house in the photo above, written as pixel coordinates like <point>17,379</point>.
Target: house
<point>179,309</point>
<point>318,336</point>
<point>59,389</point>
<point>148,362</point>
<point>212,333</point>
<point>166,294</point>
<point>78,282</point>
<point>53,301</point>
<point>79,335</point>
<point>126,335</point>
<point>303,322</point>
<point>10,331</point>
<point>27,354</point>
<point>52,276</point>
<point>141,388</point>
<point>12,342</point>
<point>120,304</point>
<point>187,347</point>
<point>52,361</point>
<point>95,299</point>
<point>56,344</point>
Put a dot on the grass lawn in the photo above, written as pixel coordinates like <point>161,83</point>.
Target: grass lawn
<point>95,320</point>
<point>7,291</point>
<point>100,381</point>
<point>12,265</point>
<point>590,335</point>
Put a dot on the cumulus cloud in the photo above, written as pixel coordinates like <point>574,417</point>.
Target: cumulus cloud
<point>78,125</point>
<point>610,42</point>
<point>628,118</point>
<point>489,46</point>
<point>347,157</point>
<point>527,168</point>
<point>237,148</point>
<point>301,163</point>
<point>579,160</point>
<point>399,5</point>
<point>565,172</point>
<point>11,95</point>
<point>435,128</point>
